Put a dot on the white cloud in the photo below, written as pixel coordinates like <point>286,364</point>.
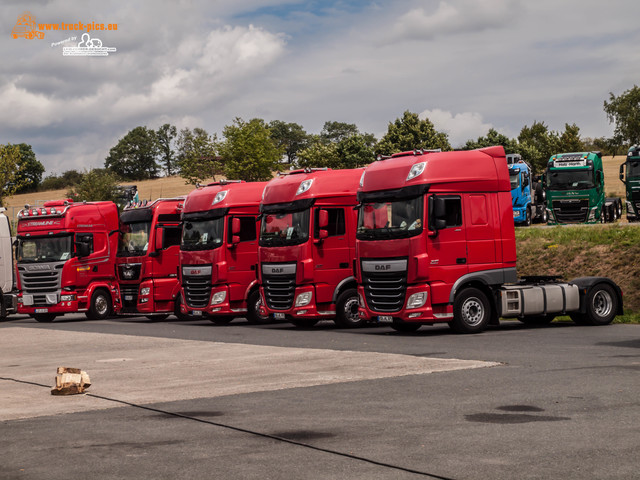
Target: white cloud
<point>460,127</point>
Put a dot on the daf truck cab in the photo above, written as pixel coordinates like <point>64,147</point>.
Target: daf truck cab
<point>436,243</point>
<point>307,247</point>
<point>219,252</point>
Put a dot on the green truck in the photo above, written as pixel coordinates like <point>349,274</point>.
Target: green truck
<point>630,175</point>
<point>574,183</point>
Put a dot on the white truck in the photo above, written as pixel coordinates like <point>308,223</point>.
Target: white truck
<point>7,278</point>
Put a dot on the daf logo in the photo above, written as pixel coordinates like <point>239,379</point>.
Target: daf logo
<point>383,267</point>
<point>195,272</point>
<point>277,270</point>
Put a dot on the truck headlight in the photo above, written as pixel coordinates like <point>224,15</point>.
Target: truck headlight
<point>145,291</point>
<point>303,299</point>
<point>592,215</point>
<point>417,300</point>
<point>516,213</point>
<point>218,297</point>
<point>67,298</point>
<point>629,207</point>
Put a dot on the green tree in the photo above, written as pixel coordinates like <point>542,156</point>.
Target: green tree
<point>30,170</point>
<point>248,151</point>
<point>96,185</point>
<point>493,138</point>
<point>290,137</point>
<point>540,143</point>
<point>165,136</point>
<point>319,154</point>
<point>196,154</point>
<point>569,140</point>
<point>624,111</point>
<point>409,133</point>
<point>10,183</point>
<point>134,156</point>
<point>356,151</point>
<point>57,182</point>
<point>338,131</point>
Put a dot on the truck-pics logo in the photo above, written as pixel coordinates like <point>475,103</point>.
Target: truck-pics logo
<point>26,27</point>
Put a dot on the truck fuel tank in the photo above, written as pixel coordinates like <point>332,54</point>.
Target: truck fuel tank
<point>525,300</point>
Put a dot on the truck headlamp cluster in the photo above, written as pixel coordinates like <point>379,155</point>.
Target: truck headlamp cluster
<point>416,170</point>
<point>220,196</point>
<point>68,298</point>
<point>417,300</point>
<point>145,291</point>
<point>218,297</point>
<point>592,215</point>
<point>304,186</point>
<point>304,299</point>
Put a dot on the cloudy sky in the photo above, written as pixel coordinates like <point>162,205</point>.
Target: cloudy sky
<point>466,65</point>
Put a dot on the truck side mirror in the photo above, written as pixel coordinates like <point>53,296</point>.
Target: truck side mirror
<point>159,244</point>
<point>437,215</point>
<point>83,249</point>
<point>622,173</point>
<point>323,219</point>
<point>235,225</point>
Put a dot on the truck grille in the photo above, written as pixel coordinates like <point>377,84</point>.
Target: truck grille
<point>129,297</point>
<point>385,291</point>
<point>279,290</point>
<point>39,283</point>
<point>571,211</point>
<point>197,290</point>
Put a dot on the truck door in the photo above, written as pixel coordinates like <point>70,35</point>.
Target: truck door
<point>447,249</point>
<point>164,267</point>
<point>481,250</point>
<point>332,256</point>
<point>242,257</point>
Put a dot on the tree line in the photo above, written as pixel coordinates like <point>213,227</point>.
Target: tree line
<point>252,150</point>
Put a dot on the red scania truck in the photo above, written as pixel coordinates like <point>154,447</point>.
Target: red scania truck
<point>149,256</point>
<point>66,256</point>
<point>307,247</point>
<point>436,243</point>
<point>219,252</point>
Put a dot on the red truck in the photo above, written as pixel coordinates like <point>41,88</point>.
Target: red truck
<point>436,243</point>
<point>219,252</point>
<point>66,254</point>
<point>307,247</point>
<point>149,256</point>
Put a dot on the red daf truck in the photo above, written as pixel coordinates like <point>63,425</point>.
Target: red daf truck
<point>219,252</point>
<point>436,243</point>
<point>66,255</point>
<point>307,247</point>
<point>149,256</point>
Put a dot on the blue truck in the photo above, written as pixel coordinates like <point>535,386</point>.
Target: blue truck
<point>527,195</point>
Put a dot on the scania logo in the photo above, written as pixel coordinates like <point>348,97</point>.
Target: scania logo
<point>383,267</point>
<point>39,267</point>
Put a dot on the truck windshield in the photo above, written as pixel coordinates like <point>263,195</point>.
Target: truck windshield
<point>202,234</point>
<point>570,180</point>
<point>399,219</point>
<point>515,179</point>
<point>44,249</point>
<point>286,228</point>
<point>633,169</point>
<point>134,239</point>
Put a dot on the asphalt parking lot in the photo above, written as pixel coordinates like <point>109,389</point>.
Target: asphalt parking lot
<point>195,400</point>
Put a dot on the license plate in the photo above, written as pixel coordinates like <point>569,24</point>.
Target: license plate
<point>128,297</point>
<point>279,316</point>
<point>385,318</point>
<point>42,310</point>
<point>197,313</point>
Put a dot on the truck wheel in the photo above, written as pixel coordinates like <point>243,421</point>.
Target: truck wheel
<point>471,311</point>
<point>405,326</point>
<point>253,309</point>
<point>44,317</point>
<point>545,216</point>
<point>619,207</point>
<point>304,322</point>
<point>538,319</point>
<point>176,310</point>
<point>527,221</point>
<point>100,306</point>
<point>347,310</point>
<point>602,306</point>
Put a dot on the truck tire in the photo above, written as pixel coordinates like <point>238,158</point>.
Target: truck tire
<point>253,309</point>
<point>405,326</point>
<point>545,216</point>
<point>347,310</point>
<point>100,306</point>
<point>471,311</point>
<point>44,317</point>
<point>527,221</point>
<point>601,306</point>
<point>176,310</point>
